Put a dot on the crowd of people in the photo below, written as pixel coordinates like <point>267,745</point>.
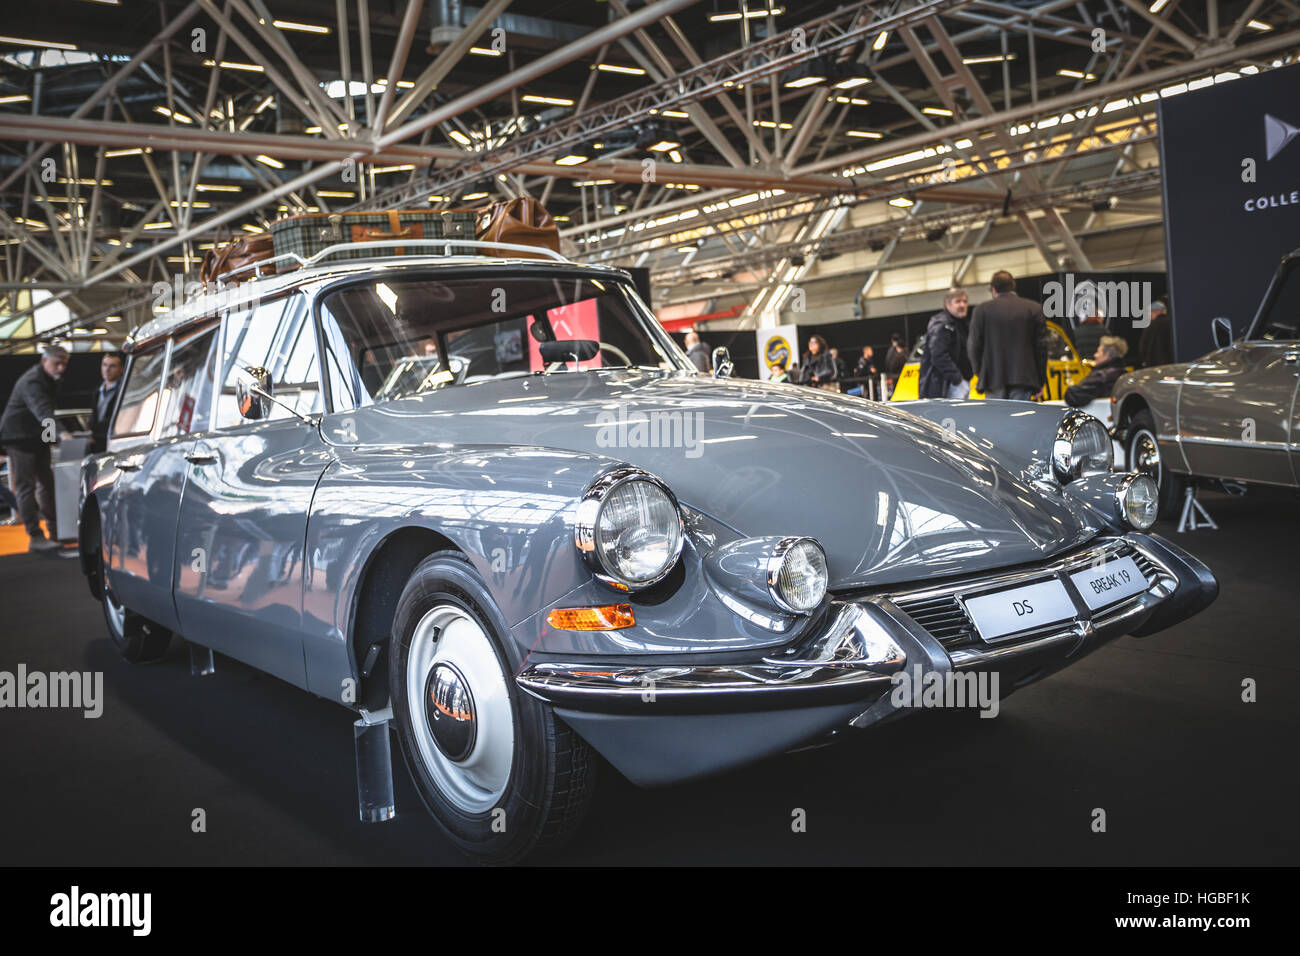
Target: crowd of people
<point>1001,344</point>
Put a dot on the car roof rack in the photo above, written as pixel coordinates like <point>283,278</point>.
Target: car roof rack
<point>450,247</point>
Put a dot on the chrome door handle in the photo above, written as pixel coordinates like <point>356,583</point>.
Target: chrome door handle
<point>199,458</point>
<point>1291,358</point>
<point>134,463</point>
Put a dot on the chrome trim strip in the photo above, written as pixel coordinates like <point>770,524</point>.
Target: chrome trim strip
<point>1234,442</point>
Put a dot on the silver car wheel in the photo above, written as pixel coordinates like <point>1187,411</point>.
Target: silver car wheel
<point>116,614</point>
<point>459,708</point>
<point>1144,455</point>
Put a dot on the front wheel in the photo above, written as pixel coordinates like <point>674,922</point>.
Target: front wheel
<point>499,773</point>
<point>1143,454</point>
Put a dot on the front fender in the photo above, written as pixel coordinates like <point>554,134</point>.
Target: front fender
<point>1014,434</point>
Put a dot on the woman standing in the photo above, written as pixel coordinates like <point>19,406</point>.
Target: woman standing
<point>818,366</point>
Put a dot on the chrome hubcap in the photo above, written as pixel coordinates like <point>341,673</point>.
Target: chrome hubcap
<point>1146,455</point>
<point>459,708</point>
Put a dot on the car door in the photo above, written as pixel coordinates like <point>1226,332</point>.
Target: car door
<point>243,515</point>
<point>1235,409</point>
<point>167,397</point>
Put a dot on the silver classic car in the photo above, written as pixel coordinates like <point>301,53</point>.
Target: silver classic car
<point>489,500</point>
<point>1231,414</point>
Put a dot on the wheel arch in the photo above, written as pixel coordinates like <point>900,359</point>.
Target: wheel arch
<point>385,573</point>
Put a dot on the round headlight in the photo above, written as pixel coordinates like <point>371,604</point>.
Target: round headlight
<point>796,575</point>
<point>1082,447</point>
<point>629,529</point>
<point>1139,500</point>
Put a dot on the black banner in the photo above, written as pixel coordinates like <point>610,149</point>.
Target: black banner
<point>1230,155</point>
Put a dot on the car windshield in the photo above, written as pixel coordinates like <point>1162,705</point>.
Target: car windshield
<point>396,337</point>
<point>1279,320</point>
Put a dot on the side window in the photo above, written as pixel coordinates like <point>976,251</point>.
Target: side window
<point>139,404</point>
<point>278,337</point>
<point>187,394</point>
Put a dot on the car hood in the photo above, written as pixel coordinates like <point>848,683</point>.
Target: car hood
<point>890,496</point>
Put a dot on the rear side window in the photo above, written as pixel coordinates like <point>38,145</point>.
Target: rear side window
<point>187,396</point>
<point>139,404</point>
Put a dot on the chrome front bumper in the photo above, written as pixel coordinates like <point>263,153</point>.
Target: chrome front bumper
<point>866,640</point>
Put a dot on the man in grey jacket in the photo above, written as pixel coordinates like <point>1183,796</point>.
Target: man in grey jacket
<point>1008,343</point>
<point>27,430</point>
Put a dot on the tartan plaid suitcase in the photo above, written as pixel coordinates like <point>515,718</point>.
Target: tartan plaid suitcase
<point>308,234</point>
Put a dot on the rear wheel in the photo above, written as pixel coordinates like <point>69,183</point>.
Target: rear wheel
<point>499,773</point>
<point>1143,454</point>
<point>137,639</point>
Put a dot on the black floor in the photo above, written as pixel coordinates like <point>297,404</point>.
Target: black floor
<point>1152,731</point>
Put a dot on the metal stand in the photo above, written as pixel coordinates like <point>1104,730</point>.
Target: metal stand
<point>1194,514</point>
<point>374,766</point>
<point>201,662</point>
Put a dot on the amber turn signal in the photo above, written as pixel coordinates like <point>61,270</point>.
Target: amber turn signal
<point>607,617</point>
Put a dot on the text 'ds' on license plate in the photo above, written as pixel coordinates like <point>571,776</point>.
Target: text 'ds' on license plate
<point>1112,581</point>
<point>1026,608</point>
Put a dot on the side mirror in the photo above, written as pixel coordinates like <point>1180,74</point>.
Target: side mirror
<point>1222,331</point>
<point>722,364</point>
<point>254,398</point>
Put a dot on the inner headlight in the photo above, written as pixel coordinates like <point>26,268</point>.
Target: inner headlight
<point>1139,500</point>
<point>796,574</point>
<point>1082,447</point>
<point>629,529</point>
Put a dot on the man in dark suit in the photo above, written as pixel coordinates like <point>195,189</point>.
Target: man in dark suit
<point>1008,343</point>
<point>27,430</point>
<point>111,367</point>
<point>1156,347</point>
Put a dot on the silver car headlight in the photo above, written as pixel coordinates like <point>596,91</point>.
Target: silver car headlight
<point>629,529</point>
<point>796,575</point>
<point>1082,447</point>
<point>1139,500</point>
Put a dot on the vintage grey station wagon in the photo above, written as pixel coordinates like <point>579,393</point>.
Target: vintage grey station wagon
<point>490,500</point>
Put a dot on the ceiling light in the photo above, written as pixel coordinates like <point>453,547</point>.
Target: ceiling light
<point>16,98</point>
<point>234,65</point>
<point>1259,25</point>
<point>881,40</point>
<point>1157,6</point>
<point>851,83</point>
<point>113,318</point>
<point>300,27</point>
<point>158,225</point>
<point>768,124</point>
<point>474,196</point>
<point>863,133</point>
<point>85,182</point>
<point>902,202</point>
<point>560,218</point>
<point>335,193</point>
<point>573,159</point>
<point>436,198</point>
<point>1076,74</point>
<point>629,70</point>
<point>596,182</point>
<point>936,111</point>
<point>483,51</point>
<point>133,151</point>
<point>22,41</point>
<point>749,15</point>
<point>663,146</point>
<point>247,228</point>
<point>676,114</point>
<point>853,100</point>
<point>217,188</point>
<point>401,84</point>
<point>269,161</point>
<point>179,117</point>
<point>675,156</point>
<point>548,100</point>
<point>805,81</point>
<point>997,58</point>
<point>459,137</point>
<point>404,168</point>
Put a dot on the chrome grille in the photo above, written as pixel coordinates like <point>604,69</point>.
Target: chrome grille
<point>938,611</point>
<point>943,618</point>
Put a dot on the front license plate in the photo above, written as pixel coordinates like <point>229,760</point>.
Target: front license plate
<point>1020,609</point>
<point>1107,583</point>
